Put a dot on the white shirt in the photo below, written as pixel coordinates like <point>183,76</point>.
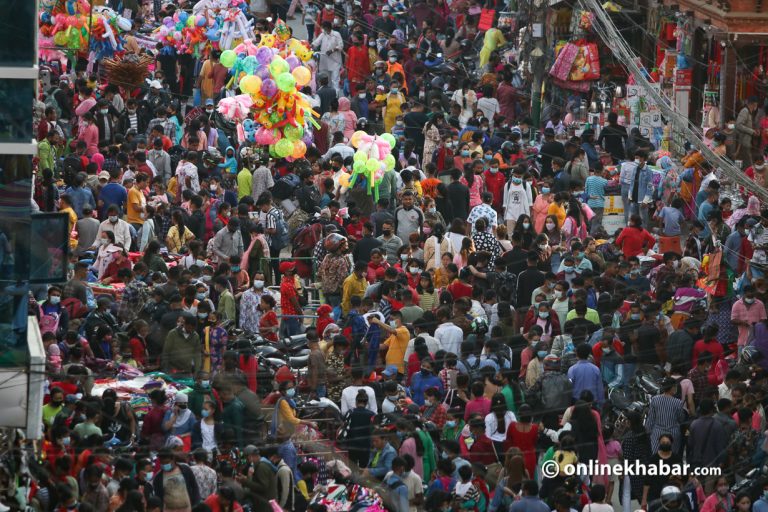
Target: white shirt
<point>413,483</point>
<point>450,337</point>
<point>491,425</point>
<point>209,440</point>
<point>349,397</point>
<point>432,345</point>
<point>707,180</point>
<point>516,201</point>
<point>121,230</point>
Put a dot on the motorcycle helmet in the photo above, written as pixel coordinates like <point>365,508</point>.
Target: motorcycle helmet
<point>671,497</point>
<point>480,326</point>
<point>284,374</point>
<point>751,355</point>
<point>333,242</point>
<point>551,362</point>
<point>362,124</point>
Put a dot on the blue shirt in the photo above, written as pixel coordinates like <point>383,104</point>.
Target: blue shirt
<point>398,492</point>
<point>760,505</point>
<point>586,376</point>
<point>529,504</point>
<point>288,453</point>
<point>672,217</point>
<point>733,250</point>
<point>595,186</point>
<point>80,196</point>
<point>419,384</point>
<point>112,193</point>
<point>704,210</point>
<point>383,462</point>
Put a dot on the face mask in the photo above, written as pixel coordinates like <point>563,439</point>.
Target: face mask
<point>200,296</point>
<point>425,372</point>
<point>545,190</point>
<point>392,324</point>
<point>387,232</point>
<point>746,301</point>
<point>404,257</point>
<point>635,316</point>
<point>54,299</point>
<point>526,225</point>
<point>392,398</point>
<point>494,170</point>
<point>204,413</point>
<point>202,316</point>
<point>167,467</point>
<point>550,226</point>
<point>362,95</point>
<point>337,21</point>
<point>543,246</point>
<point>148,477</point>
<point>665,447</point>
<point>541,354</point>
<point>488,157</point>
<point>517,181</point>
<point>329,6</point>
<point>578,256</point>
<point>731,126</point>
<point>544,315</point>
<point>634,272</point>
<point>414,270</point>
<point>393,90</point>
<point>258,284</point>
<point>560,295</point>
<point>66,440</point>
<point>291,393</point>
<point>104,111</point>
<point>113,219</point>
<point>236,269</point>
<point>465,152</point>
<point>569,270</point>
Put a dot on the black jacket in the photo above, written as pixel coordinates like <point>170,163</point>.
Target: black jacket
<point>458,196</point>
<point>189,479</point>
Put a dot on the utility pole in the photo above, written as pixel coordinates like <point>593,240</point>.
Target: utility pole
<point>537,56</point>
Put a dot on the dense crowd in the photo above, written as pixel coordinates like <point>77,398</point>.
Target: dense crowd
<point>467,323</point>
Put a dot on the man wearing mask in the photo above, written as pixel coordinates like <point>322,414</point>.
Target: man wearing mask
<point>259,479</point>
<point>118,226</point>
<point>640,187</point>
<point>745,128</point>
<point>408,218</point>
<point>182,350</point>
<point>330,46</point>
<point>175,496</point>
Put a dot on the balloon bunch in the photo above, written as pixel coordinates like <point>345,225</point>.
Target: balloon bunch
<point>216,26</point>
<point>372,159</point>
<point>269,74</point>
<point>71,26</point>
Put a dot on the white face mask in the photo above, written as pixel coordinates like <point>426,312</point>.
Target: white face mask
<point>550,226</point>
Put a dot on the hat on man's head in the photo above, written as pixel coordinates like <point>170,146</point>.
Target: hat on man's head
<point>390,371</point>
<point>104,175</point>
<point>285,266</point>
<point>209,101</point>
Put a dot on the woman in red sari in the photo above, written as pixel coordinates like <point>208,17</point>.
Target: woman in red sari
<point>522,434</point>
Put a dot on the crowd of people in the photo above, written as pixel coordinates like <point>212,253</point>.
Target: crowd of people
<point>472,322</point>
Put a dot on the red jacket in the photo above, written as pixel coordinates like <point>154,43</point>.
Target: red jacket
<point>481,451</point>
<point>631,240</point>
<point>494,183</point>
<point>358,64</point>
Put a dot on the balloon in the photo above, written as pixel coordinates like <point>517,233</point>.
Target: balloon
<point>389,138</point>
<point>168,21</point>
<point>293,62</point>
<point>372,164</point>
<point>293,133</point>
<point>299,149</point>
<point>183,17</point>
<point>201,21</point>
<point>177,36</point>
<point>302,76</point>
<point>355,139</point>
<point>264,55</point>
<point>286,82</point>
<point>268,88</point>
<point>250,84</point>
<point>359,166</point>
<point>344,180</point>
<point>191,21</point>
<point>179,26</point>
<point>272,152</point>
<point>284,147</point>
<point>263,72</point>
<point>213,34</point>
<point>228,58</point>
<point>389,161</point>
<point>163,31</point>
<point>278,66</point>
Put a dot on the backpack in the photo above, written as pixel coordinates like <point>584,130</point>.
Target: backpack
<point>51,101</point>
<point>285,187</point>
<point>556,391</point>
<point>71,167</point>
<point>49,322</point>
<point>280,239</point>
<point>176,153</point>
<point>473,370</point>
<point>75,308</point>
<point>505,285</point>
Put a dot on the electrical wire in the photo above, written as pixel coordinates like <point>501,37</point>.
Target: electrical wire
<point>607,31</point>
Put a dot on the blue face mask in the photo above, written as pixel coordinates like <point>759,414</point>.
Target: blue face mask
<point>200,296</point>
<point>569,270</point>
<point>167,467</point>
<point>635,316</point>
<point>291,393</point>
<point>544,315</point>
<point>465,153</point>
<point>449,424</point>
<point>488,157</point>
<point>204,413</point>
<point>235,269</point>
<point>541,354</point>
<point>545,190</point>
<point>517,181</point>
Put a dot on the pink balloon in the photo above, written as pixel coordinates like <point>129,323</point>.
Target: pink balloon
<point>293,62</point>
<point>268,88</point>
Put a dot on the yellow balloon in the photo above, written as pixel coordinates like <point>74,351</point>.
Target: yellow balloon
<point>250,84</point>
<point>355,139</point>
<point>302,76</point>
<point>344,180</point>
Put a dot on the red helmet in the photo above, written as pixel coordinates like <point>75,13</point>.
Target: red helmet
<point>333,242</point>
<point>284,374</point>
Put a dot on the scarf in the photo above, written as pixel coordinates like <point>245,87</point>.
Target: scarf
<point>182,418</point>
<point>428,459</point>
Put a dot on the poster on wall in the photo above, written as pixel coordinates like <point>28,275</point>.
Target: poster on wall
<point>644,113</point>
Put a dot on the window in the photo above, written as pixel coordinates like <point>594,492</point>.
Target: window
<point>16,99</point>
<point>18,34</point>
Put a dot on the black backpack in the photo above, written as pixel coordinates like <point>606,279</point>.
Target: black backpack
<point>473,370</point>
<point>505,284</point>
<point>556,390</point>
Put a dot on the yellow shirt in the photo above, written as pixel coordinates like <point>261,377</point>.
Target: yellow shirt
<point>352,287</point>
<point>72,223</point>
<point>397,344</point>
<point>135,197</point>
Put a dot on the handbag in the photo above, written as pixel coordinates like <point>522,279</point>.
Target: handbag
<point>494,472</point>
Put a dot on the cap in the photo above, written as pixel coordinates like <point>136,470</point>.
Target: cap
<point>391,53</point>
<point>251,450</point>
<point>131,131</point>
<point>129,179</point>
<point>286,266</point>
<point>174,442</point>
<point>155,84</point>
<point>390,371</point>
<point>752,222</point>
<point>181,398</point>
<point>209,101</point>
<point>104,175</point>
